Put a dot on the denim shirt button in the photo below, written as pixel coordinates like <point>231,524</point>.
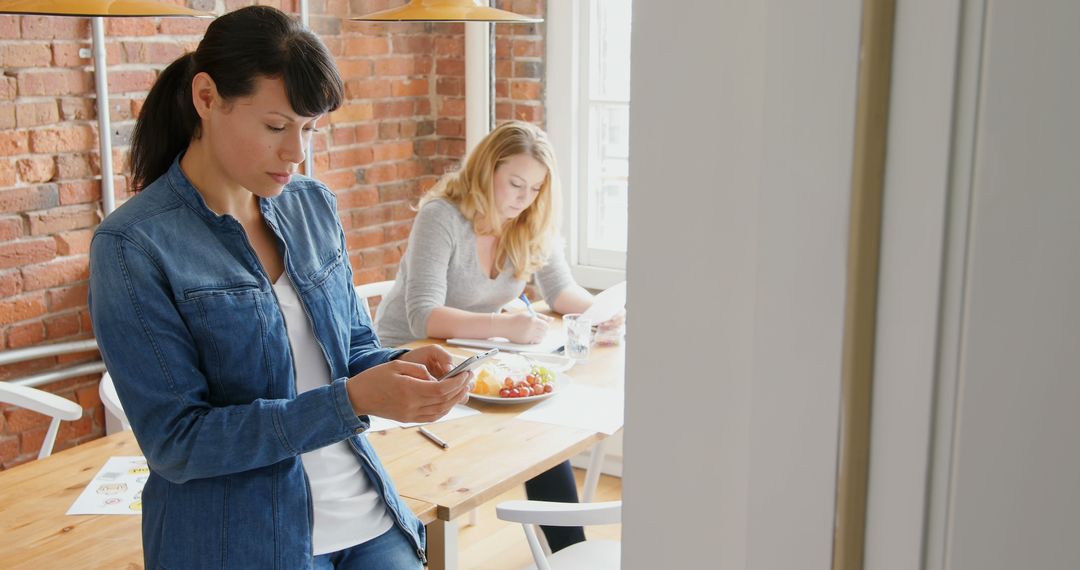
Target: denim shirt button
<point>358,430</point>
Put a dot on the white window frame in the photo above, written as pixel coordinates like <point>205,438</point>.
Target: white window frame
<point>567,127</point>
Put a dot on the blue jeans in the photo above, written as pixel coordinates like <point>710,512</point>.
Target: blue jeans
<point>390,551</point>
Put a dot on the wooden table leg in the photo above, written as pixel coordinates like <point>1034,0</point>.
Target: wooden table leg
<point>442,551</point>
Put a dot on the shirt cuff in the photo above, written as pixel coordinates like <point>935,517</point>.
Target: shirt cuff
<point>352,422</point>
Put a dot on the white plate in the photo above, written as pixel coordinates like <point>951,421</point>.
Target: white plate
<point>553,362</point>
<point>521,361</point>
<point>560,382</point>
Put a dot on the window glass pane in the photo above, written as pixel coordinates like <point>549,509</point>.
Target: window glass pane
<point>610,62</point>
<point>608,150</point>
<point>608,169</point>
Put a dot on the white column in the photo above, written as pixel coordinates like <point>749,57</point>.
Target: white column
<point>477,83</point>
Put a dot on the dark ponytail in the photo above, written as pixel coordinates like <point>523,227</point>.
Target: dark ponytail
<point>238,48</point>
<point>166,123</point>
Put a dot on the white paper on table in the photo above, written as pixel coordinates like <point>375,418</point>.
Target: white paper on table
<point>581,406</point>
<point>383,424</point>
<point>116,489</point>
<point>607,303</point>
<point>554,339</point>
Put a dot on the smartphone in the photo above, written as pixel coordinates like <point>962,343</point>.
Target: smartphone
<point>470,363</point>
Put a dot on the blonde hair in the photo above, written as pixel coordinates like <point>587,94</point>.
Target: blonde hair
<point>524,240</point>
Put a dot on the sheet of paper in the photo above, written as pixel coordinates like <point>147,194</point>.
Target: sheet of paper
<point>581,406</point>
<point>607,303</point>
<point>115,490</point>
<point>383,424</point>
<point>551,342</point>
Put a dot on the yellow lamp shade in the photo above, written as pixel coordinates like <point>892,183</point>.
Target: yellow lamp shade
<point>445,11</point>
<point>128,8</point>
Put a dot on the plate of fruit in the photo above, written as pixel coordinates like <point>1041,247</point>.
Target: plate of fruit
<point>498,385</point>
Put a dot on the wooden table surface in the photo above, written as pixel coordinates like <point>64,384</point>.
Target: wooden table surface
<point>36,533</point>
<point>489,453</point>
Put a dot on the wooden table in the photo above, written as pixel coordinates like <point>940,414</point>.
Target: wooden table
<point>35,533</point>
<point>489,454</point>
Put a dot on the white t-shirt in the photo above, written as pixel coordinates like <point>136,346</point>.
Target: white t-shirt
<point>348,508</point>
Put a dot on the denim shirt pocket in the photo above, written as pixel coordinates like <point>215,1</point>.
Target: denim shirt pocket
<point>327,286</point>
<point>229,324</point>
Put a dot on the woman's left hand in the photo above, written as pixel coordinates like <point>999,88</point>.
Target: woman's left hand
<point>614,322</point>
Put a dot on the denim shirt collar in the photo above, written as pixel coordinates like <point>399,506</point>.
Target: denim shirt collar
<point>182,186</point>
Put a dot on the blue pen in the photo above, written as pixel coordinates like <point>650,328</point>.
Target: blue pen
<point>525,299</point>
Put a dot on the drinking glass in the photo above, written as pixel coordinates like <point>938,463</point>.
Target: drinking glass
<point>578,336</point>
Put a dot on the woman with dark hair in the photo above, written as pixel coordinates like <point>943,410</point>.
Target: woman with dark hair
<point>222,300</point>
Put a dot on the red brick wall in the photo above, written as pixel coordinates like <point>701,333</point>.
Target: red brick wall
<point>401,127</point>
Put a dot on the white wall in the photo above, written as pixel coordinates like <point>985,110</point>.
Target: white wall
<point>696,147</point>
<point>741,138</point>
<point>1016,465</point>
<point>803,217</point>
<point>979,323</point>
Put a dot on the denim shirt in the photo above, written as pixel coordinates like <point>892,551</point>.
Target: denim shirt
<point>195,340</point>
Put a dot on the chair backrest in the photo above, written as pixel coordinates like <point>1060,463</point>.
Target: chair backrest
<point>589,554</point>
<point>23,392</point>
<point>115,418</point>
<point>42,402</point>
<point>369,290</point>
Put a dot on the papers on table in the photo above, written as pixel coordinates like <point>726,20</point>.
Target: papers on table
<point>553,340</point>
<point>383,424</point>
<point>115,490</point>
<point>581,406</point>
<point>607,303</point>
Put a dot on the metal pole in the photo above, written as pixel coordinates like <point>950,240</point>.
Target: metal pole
<point>309,164</point>
<point>43,350</point>
<point>101,86</point>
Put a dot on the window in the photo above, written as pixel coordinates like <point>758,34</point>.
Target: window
<point>588,97</point>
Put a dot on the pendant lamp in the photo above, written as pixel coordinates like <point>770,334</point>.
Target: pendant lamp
<point>105,8</point>
<point>96,10</point>
<point>445,11</point>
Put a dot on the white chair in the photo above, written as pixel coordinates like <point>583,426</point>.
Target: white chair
<point>115,418</point>
<point>369,290</point>
<point>42,402</point>
<point>588,555</point>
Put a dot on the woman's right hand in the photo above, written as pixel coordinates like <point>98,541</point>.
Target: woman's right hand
<point>406,392</point>
<point>524,328</point>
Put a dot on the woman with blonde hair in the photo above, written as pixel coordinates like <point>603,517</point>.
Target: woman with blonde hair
<point>481,233</point>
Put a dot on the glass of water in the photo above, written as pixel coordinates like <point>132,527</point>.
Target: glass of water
<point>578,335</point>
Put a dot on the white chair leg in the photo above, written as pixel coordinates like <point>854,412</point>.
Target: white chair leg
<point>474,518</point>
<point>543,542</point>
<point>539,553</point>
<point>50,439</point>
<point>592,474</point>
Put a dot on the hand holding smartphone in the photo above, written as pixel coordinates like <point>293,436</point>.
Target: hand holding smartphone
<point>470,363</point>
